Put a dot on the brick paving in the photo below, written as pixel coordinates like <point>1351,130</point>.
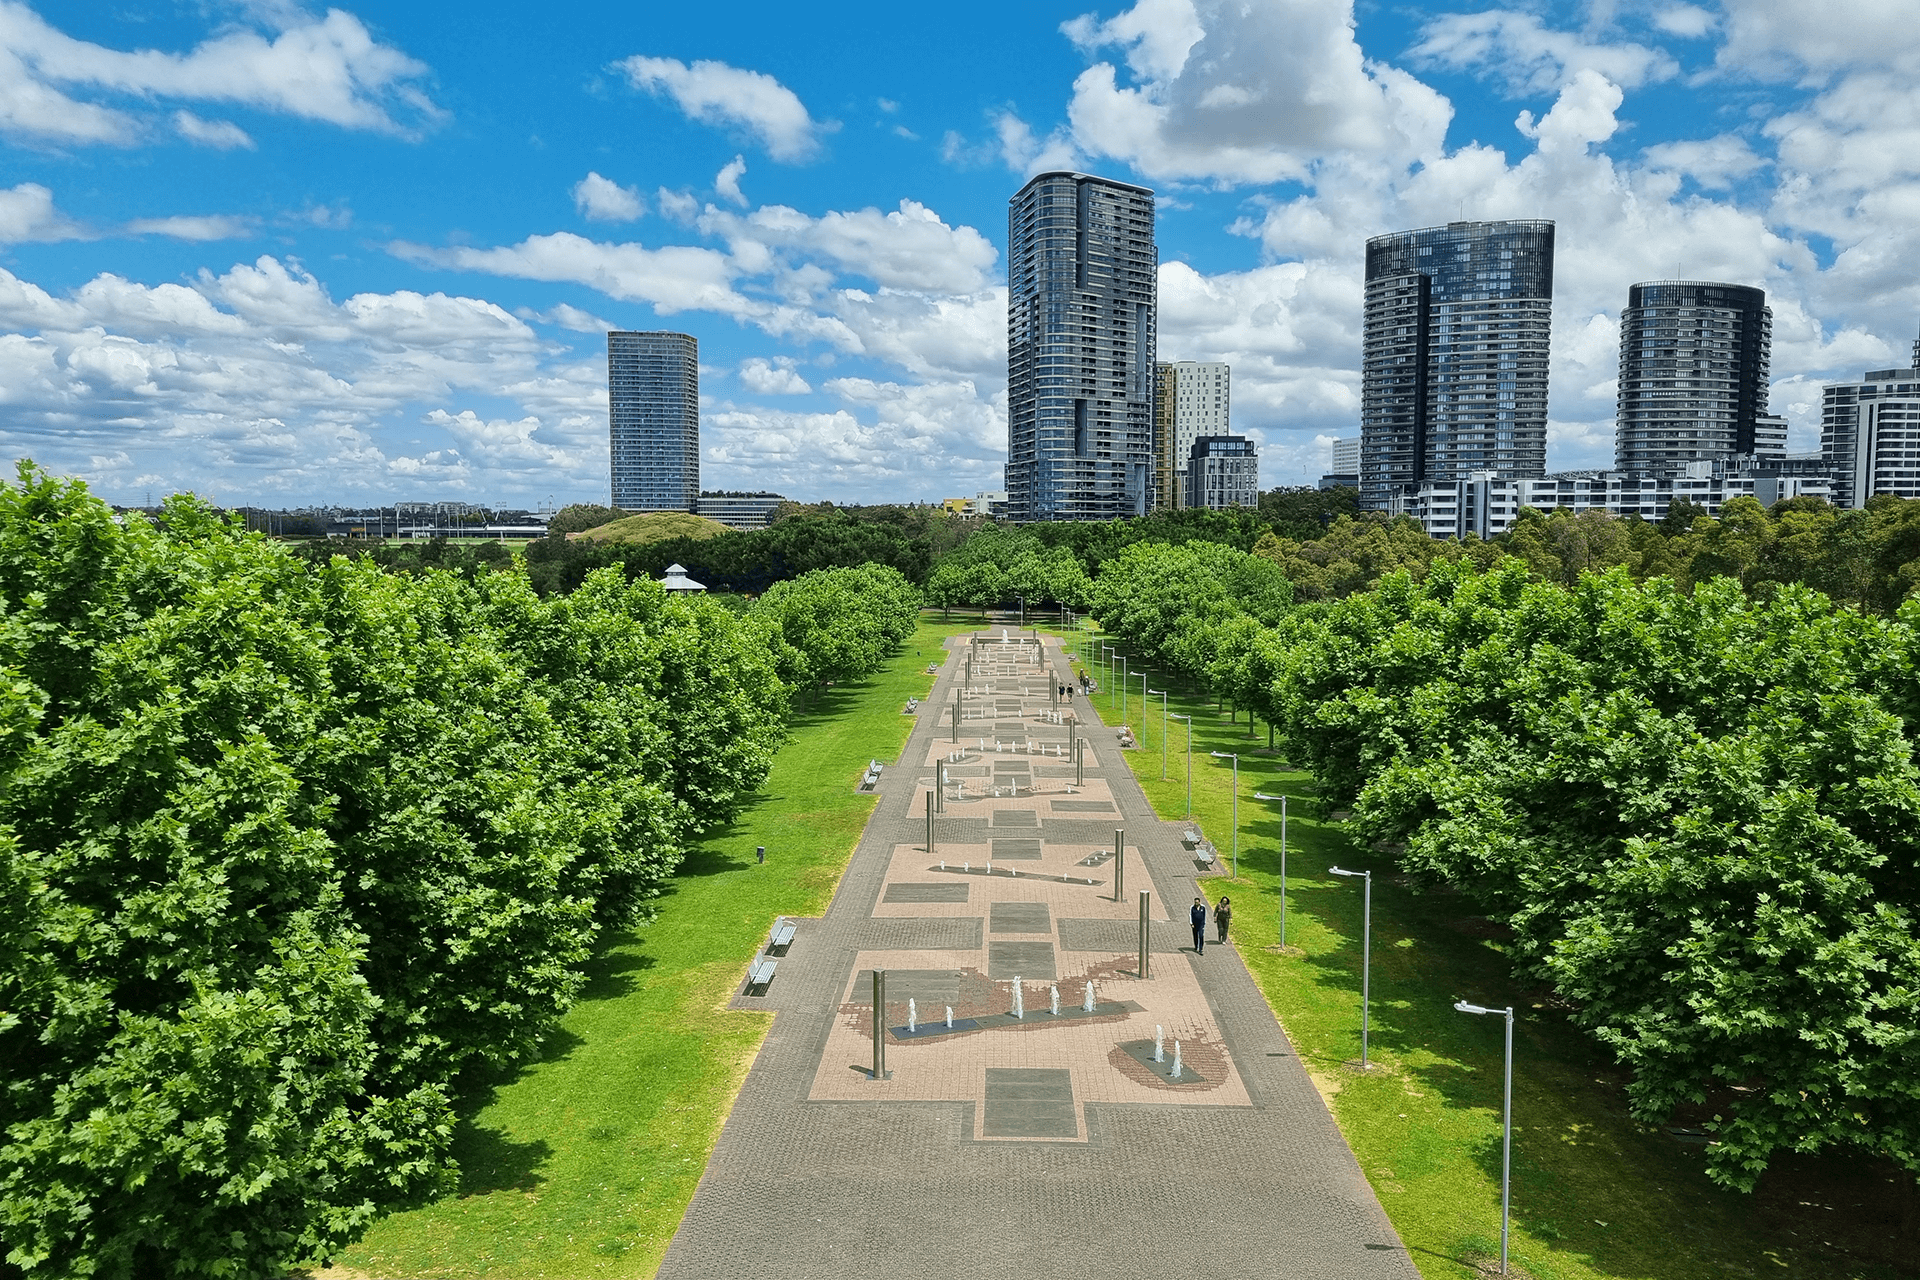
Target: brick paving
<point>1040,1145</point>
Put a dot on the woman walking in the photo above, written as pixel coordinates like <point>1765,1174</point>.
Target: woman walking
<point>1223,917</point>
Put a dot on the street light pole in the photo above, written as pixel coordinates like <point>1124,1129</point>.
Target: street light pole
<point>1260,795</point>
<point>1506,1125</point>
<point>1366,957</point>
<point>1189,720</point>
<point>1228,755</point>
<point>1163,729</point>
<point>1123,688</point>
<point>1143,707</point>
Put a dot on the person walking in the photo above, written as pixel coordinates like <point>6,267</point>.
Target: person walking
<point>1223,918</point>
<point>1199,918</point>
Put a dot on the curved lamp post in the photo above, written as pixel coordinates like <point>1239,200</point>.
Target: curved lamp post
<point>1163,729</point>
<point>1189,720</point>
<point>1366,956</point>
<point>1228,755</point>
<point>1506,1123</point>
<point>1261,795</point>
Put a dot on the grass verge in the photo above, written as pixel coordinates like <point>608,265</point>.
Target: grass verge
<point>1594,1193</point>
<point>582,1163</point>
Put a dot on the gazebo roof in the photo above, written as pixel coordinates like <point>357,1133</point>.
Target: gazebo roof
<point>676,579</point>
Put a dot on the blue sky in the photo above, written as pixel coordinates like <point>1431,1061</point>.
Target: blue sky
<point>284,254</point>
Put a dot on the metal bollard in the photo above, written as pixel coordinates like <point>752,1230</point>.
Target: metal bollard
<point>956,718</point>
<point>1143,933</point>
<point>879,1024</point>
<point>930,848</point>
<point>1119,863</point>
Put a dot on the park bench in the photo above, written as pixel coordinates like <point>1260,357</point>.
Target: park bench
<point>872,779</point>
<point>760,973</point>
<point>1204,855</point>
<point>782,936</point>
<point>1192,836</point>
<point>913,705</point>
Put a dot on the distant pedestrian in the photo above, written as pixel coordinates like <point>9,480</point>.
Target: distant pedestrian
<point>1223,918</point>
<point>1199,918</point>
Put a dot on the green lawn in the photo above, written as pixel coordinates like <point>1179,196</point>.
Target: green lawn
<point>582,1164</point>
<point>1595,1195</point>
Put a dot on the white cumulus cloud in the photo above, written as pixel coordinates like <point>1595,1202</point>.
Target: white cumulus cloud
<point>327,69</point>
<point>221,135</point>
<point>776,377</point>
<point>604,200</point>
<point>732,97</point>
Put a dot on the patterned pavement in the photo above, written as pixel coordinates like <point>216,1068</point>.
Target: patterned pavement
<point>1041,1144</point>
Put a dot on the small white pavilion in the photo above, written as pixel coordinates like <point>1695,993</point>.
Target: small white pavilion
<point>676,579</point>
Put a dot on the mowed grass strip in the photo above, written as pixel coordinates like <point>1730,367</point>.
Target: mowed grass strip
<point>582,1164</point>
<point>1594,1193</point>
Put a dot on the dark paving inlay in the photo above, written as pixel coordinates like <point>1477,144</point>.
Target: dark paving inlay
<point>1029,1102</point>
<point>1011,730</point>
<point>1076,831</point>
<point>928,892</point>
<point>1007,959</point>
<point>1020,917</point>
<point>1141,1051</point>
<point>1016,818</point>
<point>1123,936</point>
<point>920,933</point>
<point>924,986</point>
<point>1016,850</point>
<point>1083,806</point>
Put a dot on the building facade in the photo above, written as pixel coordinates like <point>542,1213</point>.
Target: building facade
<point>1694,359</point>
<point>1345,471</point>
<point>738,510</point>
<point>1870,434</point>
<point>1192,398</point>
<point>1457,328</point>
<point>1222,471</point>
<point>1082,274</point>
<point>653,413</point>
<point>1484,504</point>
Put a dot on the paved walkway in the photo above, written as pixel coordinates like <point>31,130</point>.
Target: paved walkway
<point>1046,1144</point>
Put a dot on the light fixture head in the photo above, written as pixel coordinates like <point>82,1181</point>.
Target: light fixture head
<point>1261,795</point>
<point>1336,871</point>
<point>1225,755</point>
<point>1464,1007</point>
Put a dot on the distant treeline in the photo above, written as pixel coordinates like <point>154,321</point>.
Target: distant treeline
<point>1868,559</point>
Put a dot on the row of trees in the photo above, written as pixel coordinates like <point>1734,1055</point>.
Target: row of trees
<point>996,565</point>
<point>1698,810</point>
<point>286,847</point>
<point>1869,558</point>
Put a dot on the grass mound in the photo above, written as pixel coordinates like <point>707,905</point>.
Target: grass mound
<point>655,526</point>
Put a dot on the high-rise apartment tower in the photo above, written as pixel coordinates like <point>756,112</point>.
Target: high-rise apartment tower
<point>1870,434</point>
<point>1454,356</point>
<point>1192,398</point>
<point>1082,276</point>
<point>1693,375</point>
<point>653,418</point>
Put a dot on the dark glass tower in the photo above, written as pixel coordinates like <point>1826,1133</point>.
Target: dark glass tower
<point>1082,275</point>
<point>1454,356</point>
<point>1693,374</point>
<point>653,415</point>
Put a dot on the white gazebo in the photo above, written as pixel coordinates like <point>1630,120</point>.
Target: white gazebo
<point>677,579</point>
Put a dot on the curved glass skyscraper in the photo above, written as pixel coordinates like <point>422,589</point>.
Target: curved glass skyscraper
<point>1454,357</point>
<point>1693,374</point>
<point>1082,282</point>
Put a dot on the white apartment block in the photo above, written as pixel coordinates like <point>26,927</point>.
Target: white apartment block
<point>1346,457</point>
<point>1197,401</point>
<point>1485,505</point>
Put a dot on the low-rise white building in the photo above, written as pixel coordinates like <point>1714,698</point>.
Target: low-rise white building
<point>1486,505</point>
